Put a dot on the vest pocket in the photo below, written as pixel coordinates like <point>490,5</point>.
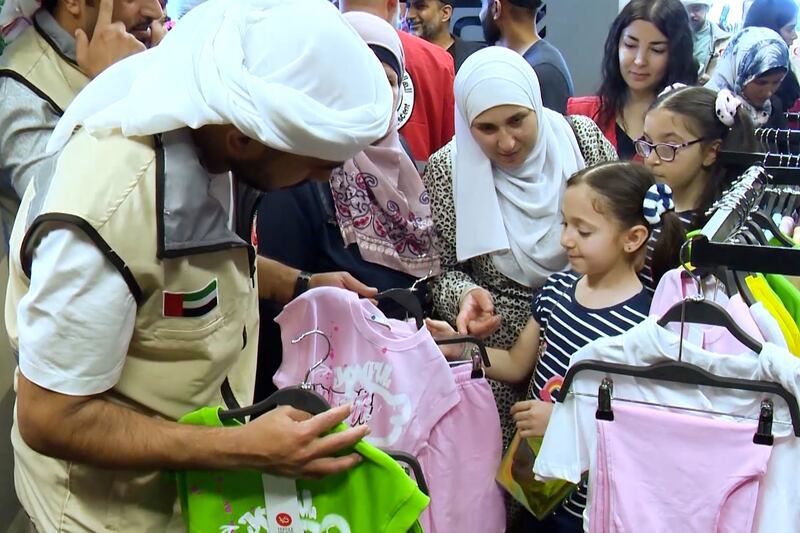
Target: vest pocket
<point>187,329</point>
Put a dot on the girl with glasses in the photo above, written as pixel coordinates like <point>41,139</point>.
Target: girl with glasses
<point>684,130</point>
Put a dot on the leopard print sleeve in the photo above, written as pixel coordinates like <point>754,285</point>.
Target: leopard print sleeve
<point>456,277</point>
<point>594,146</point>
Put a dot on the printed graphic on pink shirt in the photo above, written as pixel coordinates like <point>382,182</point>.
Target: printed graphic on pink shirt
<point>368,387</point>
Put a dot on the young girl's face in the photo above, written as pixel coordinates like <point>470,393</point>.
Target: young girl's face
<point>684,174</point>
<point>594,242</point>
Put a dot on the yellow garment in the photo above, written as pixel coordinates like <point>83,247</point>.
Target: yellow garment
<point>764,294</point>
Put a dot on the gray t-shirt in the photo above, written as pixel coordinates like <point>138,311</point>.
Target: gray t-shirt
<point>554,77</point>
<point>27,123</point>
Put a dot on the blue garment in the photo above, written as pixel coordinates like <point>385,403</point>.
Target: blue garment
<point>566,327</point>
<point>555,80</point>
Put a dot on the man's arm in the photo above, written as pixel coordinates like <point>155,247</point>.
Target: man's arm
<point>75,323</point>
<point>276,281</point>
<point>91,430</point>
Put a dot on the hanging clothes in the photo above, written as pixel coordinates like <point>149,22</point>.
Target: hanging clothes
<point>400,384</point>
<point>676,285</point>
<point>394,375</point>
<point>463,455</point>
<point>763,293</point>
<point>570,443</point>
<point>707,477</point>
<point>376,495</point>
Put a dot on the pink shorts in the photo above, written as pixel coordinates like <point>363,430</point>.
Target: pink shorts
<point>662,472</point>
<point>461,461</point>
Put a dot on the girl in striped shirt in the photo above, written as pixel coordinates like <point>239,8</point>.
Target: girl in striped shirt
<point>608,213</point>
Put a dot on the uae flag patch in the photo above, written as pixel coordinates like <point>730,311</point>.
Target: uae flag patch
<point>191,304</point>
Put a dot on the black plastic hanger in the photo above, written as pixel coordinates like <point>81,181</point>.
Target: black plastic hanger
<point>688,374</point>
<point>407,299</point>
<point>413,464</point>
<point>765,222</point>
<point>300,397</point>
<point>467,339</point>
<point>702,311</point>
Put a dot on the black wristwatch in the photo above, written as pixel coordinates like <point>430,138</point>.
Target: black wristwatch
<point>301,285</point>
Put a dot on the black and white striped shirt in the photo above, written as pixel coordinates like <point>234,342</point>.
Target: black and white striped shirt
<point>567,326</point>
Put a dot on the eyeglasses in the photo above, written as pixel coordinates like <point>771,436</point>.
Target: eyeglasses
<point>665,151</point>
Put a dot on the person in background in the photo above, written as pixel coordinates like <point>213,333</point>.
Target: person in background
<point>684,131</point>
<point>780,16</point>
<point>371,220</point>
<point>431,19</point>
<point>425,111</point>
<point>649,46</point>
<point>52,51</point>
<point>752,67</point>
<point>709,38</point>
<point>512,24</point>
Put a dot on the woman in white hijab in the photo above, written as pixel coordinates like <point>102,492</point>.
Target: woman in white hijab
<point>496,196</point>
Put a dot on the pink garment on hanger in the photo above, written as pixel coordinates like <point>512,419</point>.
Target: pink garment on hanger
<point>396,377</point>
<point>676,285</point>
<point>461,461</point>
<point>661,472</point>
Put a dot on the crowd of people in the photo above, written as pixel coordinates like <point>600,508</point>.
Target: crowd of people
<point>538,220</point>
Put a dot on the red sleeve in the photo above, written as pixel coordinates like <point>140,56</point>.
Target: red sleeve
<point>590,106</point>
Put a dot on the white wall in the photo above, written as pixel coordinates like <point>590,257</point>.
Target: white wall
<point>578,28</point>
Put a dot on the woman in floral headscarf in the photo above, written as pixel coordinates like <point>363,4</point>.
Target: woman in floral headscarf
<point>753,67</point>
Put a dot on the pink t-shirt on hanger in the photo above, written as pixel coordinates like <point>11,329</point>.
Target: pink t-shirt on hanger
<point>676,285</point>
<point>394,375</point>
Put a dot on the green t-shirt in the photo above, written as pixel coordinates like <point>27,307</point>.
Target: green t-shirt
<point>788,294</point>
<point>374,497</point>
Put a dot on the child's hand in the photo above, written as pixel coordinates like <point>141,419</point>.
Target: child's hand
<point>442,330</point>
<point>531,417</point>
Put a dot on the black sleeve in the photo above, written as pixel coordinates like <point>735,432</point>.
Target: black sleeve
<point>555,89</point>
<point>287,226</point>
<point>777,119</point>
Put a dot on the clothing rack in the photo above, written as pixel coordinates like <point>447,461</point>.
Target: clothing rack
<point>786,141</point>
<point>712,248</point>
<point>783,169</point>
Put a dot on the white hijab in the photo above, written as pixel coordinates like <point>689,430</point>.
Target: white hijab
<point>512,214</point>
<point>275,69</point>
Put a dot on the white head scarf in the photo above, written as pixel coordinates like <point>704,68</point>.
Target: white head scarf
<point>512,214</point>
<point>245,63</point>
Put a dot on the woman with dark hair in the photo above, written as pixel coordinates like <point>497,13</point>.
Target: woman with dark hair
<point>752,67</point>
<point>779,16</point>
<point>649,46</point>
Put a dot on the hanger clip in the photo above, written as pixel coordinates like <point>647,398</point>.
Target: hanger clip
<point>604,393</point>
<point>764,433</point>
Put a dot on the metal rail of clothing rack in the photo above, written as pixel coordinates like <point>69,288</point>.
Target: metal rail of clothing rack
<point>710,248</point>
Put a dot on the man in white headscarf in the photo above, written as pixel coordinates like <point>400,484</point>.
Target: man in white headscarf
<point>132,297</point>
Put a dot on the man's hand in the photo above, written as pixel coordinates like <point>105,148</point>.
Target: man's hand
<point>287,442</point>
<point>476,314</point>
<point>342,280</point>
<point>110,42</point>
<point>531,417</point>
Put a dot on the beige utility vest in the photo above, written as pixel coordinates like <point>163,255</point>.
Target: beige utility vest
<point>36,62</point>
<point>196,322</point>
